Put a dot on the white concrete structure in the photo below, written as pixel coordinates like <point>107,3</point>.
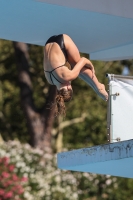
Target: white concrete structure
<point>102,28</point>
<point>120,108</point>
<point>114,159</point>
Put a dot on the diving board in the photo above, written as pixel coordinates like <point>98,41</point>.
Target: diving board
<point>101,28</point>
<point>114,159</point>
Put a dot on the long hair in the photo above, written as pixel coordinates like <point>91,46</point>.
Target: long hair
<point>62,97</point>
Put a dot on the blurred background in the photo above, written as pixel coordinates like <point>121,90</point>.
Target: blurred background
<point>31,135</point>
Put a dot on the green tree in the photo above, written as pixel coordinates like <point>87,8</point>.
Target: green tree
<point>39,120</point>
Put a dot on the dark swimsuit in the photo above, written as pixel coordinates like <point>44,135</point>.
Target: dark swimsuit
<point>60,41</point>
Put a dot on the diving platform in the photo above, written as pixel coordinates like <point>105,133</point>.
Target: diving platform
<point>114,159</point>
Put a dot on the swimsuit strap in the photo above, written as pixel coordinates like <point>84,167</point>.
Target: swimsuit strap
<point>58,67</point>
<point>51,73</point>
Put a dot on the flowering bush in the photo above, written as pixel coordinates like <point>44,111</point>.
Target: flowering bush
<point>45,181</point>
<point>10,184</point>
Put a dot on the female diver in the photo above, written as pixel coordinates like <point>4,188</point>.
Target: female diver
<point>59,50</point>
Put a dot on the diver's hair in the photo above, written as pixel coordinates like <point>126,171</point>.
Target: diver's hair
<point>62,97</point>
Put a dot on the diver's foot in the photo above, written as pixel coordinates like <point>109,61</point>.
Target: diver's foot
<point>102,92</point>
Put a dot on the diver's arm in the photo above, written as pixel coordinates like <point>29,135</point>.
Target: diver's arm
<point>69,75</point>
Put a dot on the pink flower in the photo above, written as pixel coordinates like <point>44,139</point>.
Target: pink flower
<point>24,179</point>
<point>18,187</point>
<point>5,174</point>
<point>1,192</point>
<point>11,168</point>
<point>14,177</point>
<point>20,191</point>
<point>14,189</point>
<point>9,182</point>
<point>5,160</point>
<point>8,195</point>
<point>5,184</point>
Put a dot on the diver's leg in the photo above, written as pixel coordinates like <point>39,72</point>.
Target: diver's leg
<point>86,73</point>
<point>99,88</point>
<point>72,50</point>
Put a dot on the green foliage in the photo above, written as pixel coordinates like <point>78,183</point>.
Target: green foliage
<point>12,119</point>
<point>39,82</point>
